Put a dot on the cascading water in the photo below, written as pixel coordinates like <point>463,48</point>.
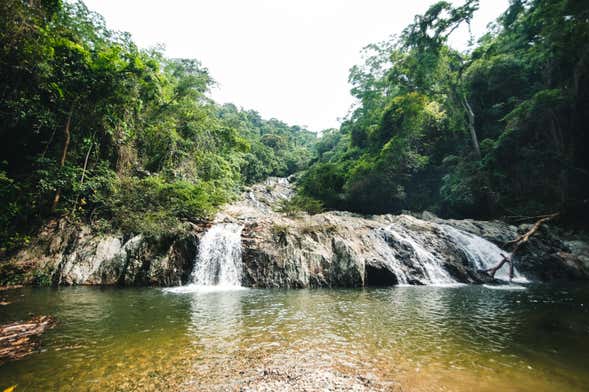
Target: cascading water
<point>430,263</point>
<point>219,257</point>
<point>429,267</point>
<point>482,253</point>
<point>218,263</point>
<point>415,252</point>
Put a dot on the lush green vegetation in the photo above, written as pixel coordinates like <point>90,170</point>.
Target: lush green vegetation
<point>96,129</point>
<point>500,130</point>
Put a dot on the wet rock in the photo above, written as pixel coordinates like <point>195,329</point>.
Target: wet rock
<point>545,257</point>
<point>345,250</point>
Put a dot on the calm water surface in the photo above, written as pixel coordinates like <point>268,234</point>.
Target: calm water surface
<point>417,338</point>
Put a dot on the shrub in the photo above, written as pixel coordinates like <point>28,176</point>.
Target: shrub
<point>300,203</point>
<point>154,206</point>
<point>279,234</point>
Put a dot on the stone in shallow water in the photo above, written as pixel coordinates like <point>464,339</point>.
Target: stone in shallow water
<point>302,379</point>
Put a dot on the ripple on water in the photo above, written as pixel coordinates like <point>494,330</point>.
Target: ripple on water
<point>196,288</point>
<point>423,337</point>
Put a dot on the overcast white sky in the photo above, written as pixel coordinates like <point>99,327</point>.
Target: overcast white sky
<point>287,59</point>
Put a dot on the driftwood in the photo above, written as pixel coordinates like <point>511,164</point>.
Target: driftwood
<point>20,339</point>
<point>522,239</point>
<point>11,287</point>
<point>516,244</point>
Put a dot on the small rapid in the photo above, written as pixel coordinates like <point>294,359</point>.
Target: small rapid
<point>428,267</point>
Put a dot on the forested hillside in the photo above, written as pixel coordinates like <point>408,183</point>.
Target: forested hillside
<point>94,128</point>
<point>497,131</point>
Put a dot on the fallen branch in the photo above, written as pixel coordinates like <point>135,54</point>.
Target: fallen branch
<point>521,218</point>
<point>517,243</point>
<point>493,270</point>
<point>522,239</point>
<point>20,339</point>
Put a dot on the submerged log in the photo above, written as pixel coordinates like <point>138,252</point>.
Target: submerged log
<point>11,287</point>
<point>19,339</point>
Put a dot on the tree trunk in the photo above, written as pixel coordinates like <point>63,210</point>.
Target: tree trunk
<point>493,270</point>
<point>471,128</point>
<point>66,144</point>
<point>83,176</point>
<point>86,163</point>
<point>48,143</point>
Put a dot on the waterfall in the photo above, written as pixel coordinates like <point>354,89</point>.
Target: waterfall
<point>481,253</point>
<point>218,265</point>
<point>416,252</point>
<point>429,267</point>
<point>218,261</point>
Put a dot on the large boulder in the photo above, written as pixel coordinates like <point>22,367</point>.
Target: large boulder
<point>345,250</point>
<point>547,257</point>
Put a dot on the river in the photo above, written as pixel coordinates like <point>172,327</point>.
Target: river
<point>400,338</point>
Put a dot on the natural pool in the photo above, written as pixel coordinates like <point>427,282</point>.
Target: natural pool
<point>402,338</point>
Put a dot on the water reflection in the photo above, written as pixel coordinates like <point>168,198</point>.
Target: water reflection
<point>423,336</point>
<point>215,319</point>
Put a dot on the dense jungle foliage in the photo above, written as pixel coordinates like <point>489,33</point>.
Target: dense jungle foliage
<point>94,128</point>
<point>497,131</point>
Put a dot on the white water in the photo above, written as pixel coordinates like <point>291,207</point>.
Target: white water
<point>427,265</point>
<point>482,253</point>
<point>218,265</point>
<point>507,287</point>
<point>430,265</point>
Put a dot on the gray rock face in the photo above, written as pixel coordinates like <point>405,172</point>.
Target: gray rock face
<point>76,255</point>
<point>545,257</point>
<point>332,249</point>
<point>343,250</point>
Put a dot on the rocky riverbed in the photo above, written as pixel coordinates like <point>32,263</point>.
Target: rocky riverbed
<point>331,249</point>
